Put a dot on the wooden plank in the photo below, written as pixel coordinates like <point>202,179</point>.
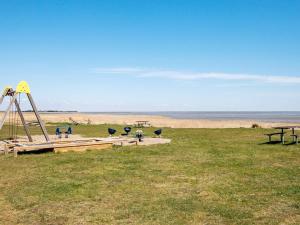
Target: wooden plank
<point>61,145</point>
<point>82,148</point>
<point>6,148</point>
<point>33,148</point>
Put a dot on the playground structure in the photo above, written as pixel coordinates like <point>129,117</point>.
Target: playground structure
<point>14,109</point>
<point>16,145</point>
<point>14,96</point>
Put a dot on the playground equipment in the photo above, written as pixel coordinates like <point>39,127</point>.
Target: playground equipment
<point>139,134</point>
<point>127,130</point>
<point>68,131</point>
<point>111,131</point>
<point>14,95</point>
<point>158,132</point>
<point>15,145</point>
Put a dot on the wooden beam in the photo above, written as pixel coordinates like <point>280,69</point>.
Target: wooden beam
<point>64,146</point>
<point>7,111</point>
<point>23,121</point>
<point>42,125</point>
<point>83,148</point>
<point>1,99</point>
<point>6,148</point>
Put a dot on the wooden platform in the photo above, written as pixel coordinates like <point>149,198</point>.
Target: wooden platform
<point>65,147</point>
<point>57,147</point>
<point>78,145</point>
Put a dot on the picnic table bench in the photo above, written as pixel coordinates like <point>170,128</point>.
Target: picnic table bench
<point>295,138</point>
<point>282,133</point>
<point>277,133</point>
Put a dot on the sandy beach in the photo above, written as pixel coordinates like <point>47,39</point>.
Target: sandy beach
<point>157,121</point>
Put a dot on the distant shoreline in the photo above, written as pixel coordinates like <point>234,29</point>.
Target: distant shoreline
<point>263,116</point>
<point>155,120</point>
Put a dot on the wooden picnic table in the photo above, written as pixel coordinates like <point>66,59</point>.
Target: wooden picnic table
<point>282,128</point>
<point>142,123</point>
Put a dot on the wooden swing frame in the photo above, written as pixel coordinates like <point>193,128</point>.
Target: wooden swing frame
<point>22,87</point>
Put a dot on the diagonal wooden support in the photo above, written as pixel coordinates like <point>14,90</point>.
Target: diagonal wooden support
<point>22,87</point>
<point>40,121</point>
<point>1,99</point>
<point>7,110</point>
<point>26,128</point>
<point>5,92</point>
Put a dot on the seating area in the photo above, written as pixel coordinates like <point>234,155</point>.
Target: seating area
<point>275,134</point>
<point>295,138</point>
<point>282,133</point>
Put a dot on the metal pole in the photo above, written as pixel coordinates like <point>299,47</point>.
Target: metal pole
<point>42,125</point>
<point>23,121</point>
<point>7,111</point>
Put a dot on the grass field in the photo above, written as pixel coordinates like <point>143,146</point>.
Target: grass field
<point>205,176</point>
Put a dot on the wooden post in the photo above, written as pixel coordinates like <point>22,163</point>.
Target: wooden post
<point>7,111</point>
<point>294,137</point>
<point>23,121</point>
<point>5,149</point>
<point>42,125</point>
<point>15,153</point>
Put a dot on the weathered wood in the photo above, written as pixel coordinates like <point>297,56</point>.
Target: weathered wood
<point>73,121</point>
<point>35,110</point>
<point>274,134</point>
<point>23,121</point>
<point>7,111</point>
<point>64,146</point>
<point>295,138</point>
<point>15,153</point>
<point>82,148</point>
<point>6,148</point>
<point>1,99</point>
<point>278,133</point>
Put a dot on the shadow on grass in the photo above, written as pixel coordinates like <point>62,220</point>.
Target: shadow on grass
<point>270,143</point>
<point>277,142</point>
<point>36,151</point>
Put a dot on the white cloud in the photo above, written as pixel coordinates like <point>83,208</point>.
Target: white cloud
<point>181,75</point>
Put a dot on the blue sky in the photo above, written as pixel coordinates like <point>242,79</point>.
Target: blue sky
<point>154,55</point>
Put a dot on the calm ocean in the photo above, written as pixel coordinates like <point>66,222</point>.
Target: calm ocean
<point>288,116</point>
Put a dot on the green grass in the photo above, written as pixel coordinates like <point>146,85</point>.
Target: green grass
<point>205,176</point>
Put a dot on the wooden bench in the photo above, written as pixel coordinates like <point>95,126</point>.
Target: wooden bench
<point>278,133</point>
<point>295,138</point>
<point>142,124</point>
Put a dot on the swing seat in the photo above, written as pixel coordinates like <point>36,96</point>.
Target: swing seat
<point>58,132</point>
